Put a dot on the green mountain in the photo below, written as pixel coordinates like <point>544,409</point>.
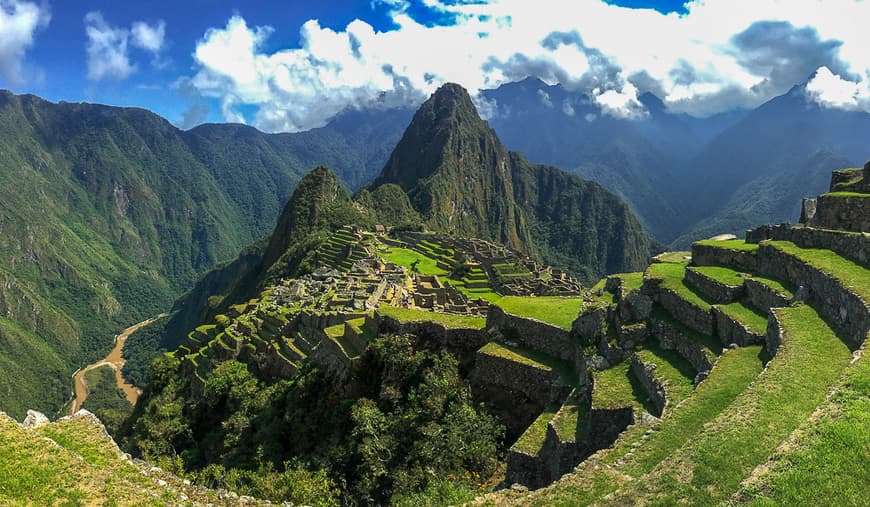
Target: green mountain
<point>108,214</point>
<point>462,181</point>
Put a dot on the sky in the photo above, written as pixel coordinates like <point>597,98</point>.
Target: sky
<point>293,65</point>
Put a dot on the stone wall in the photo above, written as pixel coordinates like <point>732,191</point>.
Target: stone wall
<point>854,246</point>
<point>540,336</point>
<point>589,326</point>
<point>692,316</point>
<point>433,335</point>
<point>605,425</point>
<point>705,255</point>
<point>836,302</point>
<point>773,339</point>
<point>763,297</point>
<point>645,374</point>
<point>850,213</point>
<point>713,289</point>
<point>731,331</point>
<point>670,338</point>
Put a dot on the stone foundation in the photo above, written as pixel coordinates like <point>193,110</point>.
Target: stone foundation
<point>763,297</point>
<point>705,255</point>
<point>847,213</point>
<point>713,289</point>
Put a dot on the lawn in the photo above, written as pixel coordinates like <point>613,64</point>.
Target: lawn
<point>405,258</point>
<point>632,281</point>
<point>559,311</point>
<point>616,387</point>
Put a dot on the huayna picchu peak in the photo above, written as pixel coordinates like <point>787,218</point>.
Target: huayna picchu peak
<point>462,180</point>
<point>434,253</point>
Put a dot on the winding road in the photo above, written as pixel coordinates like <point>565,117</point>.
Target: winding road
<point>114,360</point>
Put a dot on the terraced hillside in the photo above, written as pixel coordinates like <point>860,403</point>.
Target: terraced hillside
<point>774,328</point>
<point>73,461</point>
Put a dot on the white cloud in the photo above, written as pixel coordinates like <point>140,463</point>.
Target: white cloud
<point>19,22</point>
<point>108,54</point>
<point>544,97</point>
<point>719,55</point>
<point>148,37</point>
<point>832,91</point>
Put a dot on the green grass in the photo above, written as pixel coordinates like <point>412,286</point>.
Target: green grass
<point>447,320</point>
<point>571,418</point>
<point>756,321</point>
<point>677,257</point>
<point>559,311</point>
<point>776,285</point>
<point>671,276</point>
<point>334,331</point>
<point>850,274</point>
<point>405,257</point>
<point>730,244</point>
<point>723,275</point>
<point>616,387</point>
<point>532,358</point>
<point>710,467</point>
<point>532,439</point>
<point>632,281</point>
<point>828,458</point>
<point>675,373</point>
<point>845,194</point>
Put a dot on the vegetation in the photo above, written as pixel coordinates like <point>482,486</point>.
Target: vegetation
<point>755,320</point>
<point>672,370</point>
<point>406,257</point>
<point>559,311</point>
<point>411,429</point>
<point>848,273</point>
<point>616,387</point>
<point>730,244</point>
<point>532,439</point>
<point>447,320</point>
<point>671,275</point>
<point>105,399</point>
<point>721,274</point>
<point>781,287</point>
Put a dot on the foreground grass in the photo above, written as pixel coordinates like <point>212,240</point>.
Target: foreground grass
<point>828,458</point>
<point>675,373</point>
<point>711,467</point>
<point>447,320</point>
<point>559,311</point>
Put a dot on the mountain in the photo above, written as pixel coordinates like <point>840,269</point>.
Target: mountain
<point>638,158</point>
<point>463,181</point>
<point>108,214</point>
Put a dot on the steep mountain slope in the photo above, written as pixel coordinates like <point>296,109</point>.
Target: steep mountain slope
<point>461,180</point>
<point>107,214</point>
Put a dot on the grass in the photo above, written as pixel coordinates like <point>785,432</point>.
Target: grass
<point>845,194</point>
<point>750,317</point>
<point>730,244</point>
<point>555,310</point>
<point>776,285</point>
<point>723,275</point>
<point>571,418</point>
<point>447,320</point>
<point>532,439</point>
<point>671,276</point>
<point>614,388</point>
<point>677,257</point>
<point>532,358</point>
<point>405,257</point>
<point>632,281</point>
<point>850,274</point>
<point>672,370</point>
<point>828,458</point>
<point>710,467</point>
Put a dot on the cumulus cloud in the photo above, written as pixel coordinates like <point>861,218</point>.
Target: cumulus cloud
<point>19,22</point>
<point>832,91</point>
<point>108,54</point>
<point>717,56</point>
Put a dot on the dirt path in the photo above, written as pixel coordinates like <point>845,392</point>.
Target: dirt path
<point>114,360</point>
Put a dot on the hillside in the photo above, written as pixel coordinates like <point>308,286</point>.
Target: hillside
<point>108,214</point>
<point>461,180</point>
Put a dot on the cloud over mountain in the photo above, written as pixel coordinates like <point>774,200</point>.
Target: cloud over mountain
<point>717,56</point>
<point>19,22</point>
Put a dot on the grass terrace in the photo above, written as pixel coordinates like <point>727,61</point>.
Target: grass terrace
<point>632,281</point>
<point>616,387</point>
<point>532,439</point>
<point>850,274</point>
<point>671,276</point>
<point>721,274</point>
<point>570,416</point>
<point>555,310</point>
<point>672,370</point>
<point>753,319</point>
<point>447,320</point>
<point>846,194</point>
<point>827,459</point>
<point>532,358</point>
<point>677,257</point>
<point>785,289</point>
<point>730,244</point>
<point>710,467</point>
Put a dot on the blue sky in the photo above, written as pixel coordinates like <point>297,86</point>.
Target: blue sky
<point>288,66</point>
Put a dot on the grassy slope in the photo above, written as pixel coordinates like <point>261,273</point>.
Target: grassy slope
<point>850,274</point>
<point>711,467</point>
<point>445,319</point>
<point>671,275</point>
<point>559,311</point>
<point>756,321</point>
<point>730,244</point>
